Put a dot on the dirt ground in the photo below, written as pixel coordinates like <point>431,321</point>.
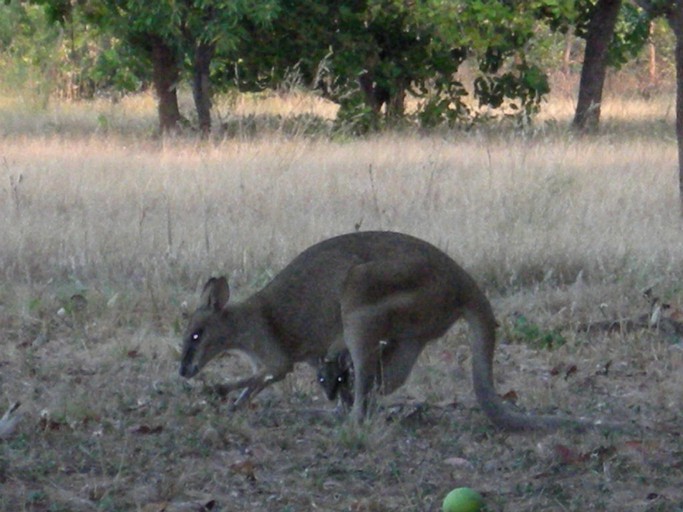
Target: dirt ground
<point>107,424</point>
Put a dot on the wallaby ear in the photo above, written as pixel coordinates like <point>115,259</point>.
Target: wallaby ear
<point>216,293</point>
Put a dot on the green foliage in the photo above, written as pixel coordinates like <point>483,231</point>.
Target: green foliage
<point>527,84</point>
<point>401,48</point>
<point>27,46</point>
<point>630,33</point>
<point>353,438</point>
<point>183,25</point>
<point>36,497</point>
<point>449,109</point>
<point>355,117</point>
<point>71,59</point>
<point>117,68</point>
<point>498,34</point>
<point>525,331</point>
<point>104,45</point>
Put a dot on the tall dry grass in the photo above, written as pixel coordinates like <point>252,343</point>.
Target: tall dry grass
<point>513,208</point>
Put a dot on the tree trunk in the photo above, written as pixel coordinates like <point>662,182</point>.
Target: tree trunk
<point>374,95</point>
<point>675,18</point>
<point>396,103</point>
<point>567,53</point>
<point>679,101</point>
<point>377,96</point>
<point>652,58</point>
<point>600,31</point>
<point>165,74</point>
<point>201,86</point>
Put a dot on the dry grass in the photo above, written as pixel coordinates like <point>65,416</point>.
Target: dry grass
<point>559,230</point>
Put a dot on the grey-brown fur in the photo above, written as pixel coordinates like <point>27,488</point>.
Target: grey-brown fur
<point>355,290</point>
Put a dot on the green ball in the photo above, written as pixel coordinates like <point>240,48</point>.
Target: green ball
<point>462,499</point>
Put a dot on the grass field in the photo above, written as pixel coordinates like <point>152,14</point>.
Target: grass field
<point>106,231</point>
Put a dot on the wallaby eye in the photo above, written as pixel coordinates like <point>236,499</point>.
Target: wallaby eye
<point>196,335</point>
<point>340,378</point>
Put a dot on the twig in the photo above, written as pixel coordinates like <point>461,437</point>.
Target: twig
<point>375,200</point>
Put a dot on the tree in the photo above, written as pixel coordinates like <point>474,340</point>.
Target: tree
<point>210,29</point>
<point>599,32</point>
<point>374,52</point>
<point>180,36</point>
<point>672,10</point>
<point>146,33</point>
<point>614,32</point>
<point>165,76</point>
<point>148,27</point>
<point>64,54</point>
<point>675,18</point>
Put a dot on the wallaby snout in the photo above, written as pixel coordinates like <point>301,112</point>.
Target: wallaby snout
<point>188,362</point>
<point>188,370</point>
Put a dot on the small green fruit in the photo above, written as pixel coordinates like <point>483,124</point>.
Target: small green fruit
<point>462,499</point>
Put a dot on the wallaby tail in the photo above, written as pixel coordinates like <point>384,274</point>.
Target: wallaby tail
<point>483,341</point>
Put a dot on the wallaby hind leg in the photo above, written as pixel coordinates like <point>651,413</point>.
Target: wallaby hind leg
<point>393,369</point>
<point>376,298</point>
<point>365,323</point>
<point>397,361</point>
<point>363,343</point>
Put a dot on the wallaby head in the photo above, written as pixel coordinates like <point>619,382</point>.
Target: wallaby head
<point>206,334</point>
<point>336,377</point>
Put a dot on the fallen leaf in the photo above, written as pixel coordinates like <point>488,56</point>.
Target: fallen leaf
<point>511,396</point>
<point>155,507</point>
<point>567,370</point>
<point>637,447</point>
<point>458,462</point>
<point>46,424</point>
<point>603,453</point>
<point>569,456</point>
<point>570,371</point>
<point>146,429</point>
<point>245,467</point>
<point>676,314</point>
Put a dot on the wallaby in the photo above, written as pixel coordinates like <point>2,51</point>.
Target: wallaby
<point>335,372</point>
<point>335,375</point>
<point>355,290</point>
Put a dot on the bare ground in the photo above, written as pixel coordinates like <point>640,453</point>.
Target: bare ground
<point>108,425</point>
